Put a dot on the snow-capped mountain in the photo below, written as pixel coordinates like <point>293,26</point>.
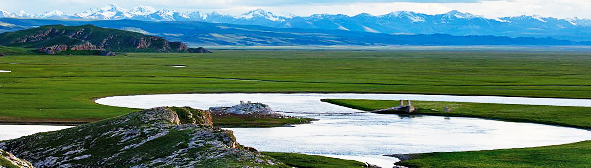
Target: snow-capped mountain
<point>142,10</point>
<point>4,13</point>
<point>21,14</point>
<point>260,14</point>
<point>400,22</point>
<point>52,15</point>
<point>580,22</point>
<point>110,12</point>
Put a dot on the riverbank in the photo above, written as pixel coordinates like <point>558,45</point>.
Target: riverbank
<point>157,137</point>
<point>62,88</point>
<point>569,155</point>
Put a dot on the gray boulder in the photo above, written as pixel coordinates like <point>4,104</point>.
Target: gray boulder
<point>245,108</point>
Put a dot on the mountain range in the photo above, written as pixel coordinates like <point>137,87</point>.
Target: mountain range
<point>195,33</point>
<point>402,22</point>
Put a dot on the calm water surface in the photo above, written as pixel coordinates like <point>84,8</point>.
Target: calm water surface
<point>351,134</point>
<point>15,131</point>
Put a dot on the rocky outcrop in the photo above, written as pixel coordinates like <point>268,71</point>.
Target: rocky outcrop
<point>244,108</point>
<point>198,50</point>
<point>85,46</point>
<point>57,38</point>
<point>158,137</point>
<point>159,43</point>
<point>107,53</point>
<point>55,49</point>
<point>8,160</point>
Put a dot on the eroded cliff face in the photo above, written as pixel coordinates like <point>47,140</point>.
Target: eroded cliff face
<point>158,137</point>
<point>57,38</point>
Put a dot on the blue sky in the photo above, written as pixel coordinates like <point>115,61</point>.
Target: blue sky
<point>487,8</point>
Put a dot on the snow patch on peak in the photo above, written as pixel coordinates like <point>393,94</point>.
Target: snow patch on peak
<point>142,10</point>
<point>400,13</point>
<point>166,11</point>
<point>367,29</point>
<point>540,18</point>
<point>579,22</point>
<point>88,12</point>
<point>260,13</point>
<point>343,28</point>
<point>501,20</point>
<point>572,21</point>
<point>286,15</point>
<point>417,19</point>
<point>51,14</point>
<point>460,15</point>
<point>413,17</point>
<point>21,13</point>
<point>165,14</point>
<point>113,8</point>
<point>4,13</point>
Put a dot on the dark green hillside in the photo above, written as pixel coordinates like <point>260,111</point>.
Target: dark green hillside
<point>13,51</point>
<point>88,37</point>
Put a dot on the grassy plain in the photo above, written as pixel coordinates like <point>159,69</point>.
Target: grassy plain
<point>570,155</point>
<point>62,88</point>
<point>312,161</point>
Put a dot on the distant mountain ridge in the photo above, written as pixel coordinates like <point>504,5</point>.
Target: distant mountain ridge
<point>401,22</point>
<point>210,34</point>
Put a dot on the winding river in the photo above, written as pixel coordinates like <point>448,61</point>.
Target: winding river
<point>352,134</point>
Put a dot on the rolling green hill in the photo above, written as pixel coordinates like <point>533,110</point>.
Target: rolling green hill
<point>13,51</point>
<point>88,37</point>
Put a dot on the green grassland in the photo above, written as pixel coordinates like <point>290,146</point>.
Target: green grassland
<point>312,161</point>
<point>14,50</point>
<point>570,155</point>
<point>62,88</point>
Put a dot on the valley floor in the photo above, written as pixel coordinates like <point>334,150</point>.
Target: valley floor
<point>61,89</point>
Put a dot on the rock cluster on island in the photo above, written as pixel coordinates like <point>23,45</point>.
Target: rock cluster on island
<point>245,108</point>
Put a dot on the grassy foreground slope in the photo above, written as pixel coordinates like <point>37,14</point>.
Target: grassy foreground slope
<point>569,155</point>
<point>62,88</point>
